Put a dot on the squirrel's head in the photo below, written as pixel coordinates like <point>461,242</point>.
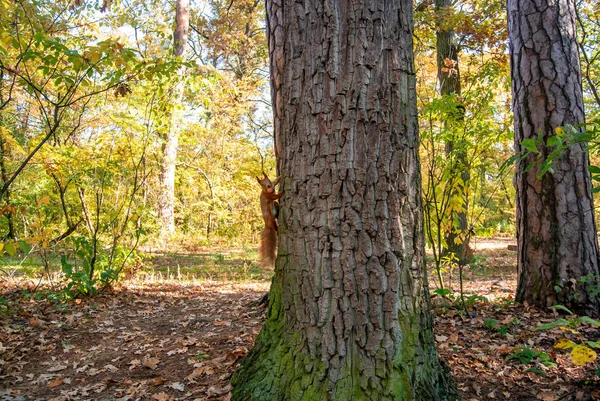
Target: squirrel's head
<point>267,185</point>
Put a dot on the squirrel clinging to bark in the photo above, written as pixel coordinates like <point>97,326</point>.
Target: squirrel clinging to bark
<point>270,211</point>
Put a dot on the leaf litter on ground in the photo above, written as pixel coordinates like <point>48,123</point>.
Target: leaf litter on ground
<point>182,340</point>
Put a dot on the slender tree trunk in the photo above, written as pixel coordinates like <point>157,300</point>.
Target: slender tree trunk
<point>166,195</point>
<point>589,59</point>
<point>348,315</point>
<point>4,176</point>
<point>556,231</point>
<point>448,73</point>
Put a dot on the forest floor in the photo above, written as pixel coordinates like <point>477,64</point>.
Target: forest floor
<point>167,336</point>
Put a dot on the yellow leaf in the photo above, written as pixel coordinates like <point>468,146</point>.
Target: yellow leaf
<point>95,54</point>
<point>119,62</point>
<point>570,330</point>
<point>582,355</point>
<point>559,131</point>
<point>6,40</point>
<point>11,250</point>
<point>563,343</point>
<point>1,246</point>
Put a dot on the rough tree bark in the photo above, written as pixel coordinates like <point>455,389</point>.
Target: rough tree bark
<point>556,231</point>
<point>449,81</point>
<point>166,191</point>
<point>348,315</point>
<point>446,48</point>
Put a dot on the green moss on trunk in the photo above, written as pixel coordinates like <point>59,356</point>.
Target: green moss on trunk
<point>279,367</point>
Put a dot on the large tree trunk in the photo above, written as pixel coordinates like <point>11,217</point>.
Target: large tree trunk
<point>448,73</point>
<point>556,231</point>
<point>166,191</point>
<point>348,315</point>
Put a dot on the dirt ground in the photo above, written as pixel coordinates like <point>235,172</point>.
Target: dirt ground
<point>181,340</point>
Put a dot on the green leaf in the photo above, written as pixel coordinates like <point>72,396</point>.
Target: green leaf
<point>536,370</point>
<point>594,344</point>
<point>594,169</point>
<point>562,308</point>
<point>531,145</point>
<point>552,141</point>
<point>551,325</point>
<point>25,246</point>
<point>586,319</point>
<point>442,292</point>
<point>67,268</point>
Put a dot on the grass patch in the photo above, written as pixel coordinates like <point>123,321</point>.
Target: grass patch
<point>222,264</point>
<point>230,265</point>
<point>28,266</point>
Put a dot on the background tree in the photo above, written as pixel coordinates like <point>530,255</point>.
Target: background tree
<point>481,135</point>
<point>166,190</point>
<point>556,232</point>
<point>588,31</point>
<point>448,72</point>
<point>348,316</point>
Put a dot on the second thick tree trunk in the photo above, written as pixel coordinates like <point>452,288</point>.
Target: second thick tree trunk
<point>556,231</point>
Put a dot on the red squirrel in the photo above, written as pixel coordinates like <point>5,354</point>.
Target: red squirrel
<point>270,211</point>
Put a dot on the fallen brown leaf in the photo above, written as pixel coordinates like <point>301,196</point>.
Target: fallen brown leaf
<point>56,382</point>
<point>547,396</point>
<point>134,364</point>
<point>214,391</point>
<point>151,363</point>
<point>158,381</point>
<point>441,338</point>
<point>162,397</point>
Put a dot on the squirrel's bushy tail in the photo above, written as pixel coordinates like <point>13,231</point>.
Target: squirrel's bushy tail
<point>268,247</point>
